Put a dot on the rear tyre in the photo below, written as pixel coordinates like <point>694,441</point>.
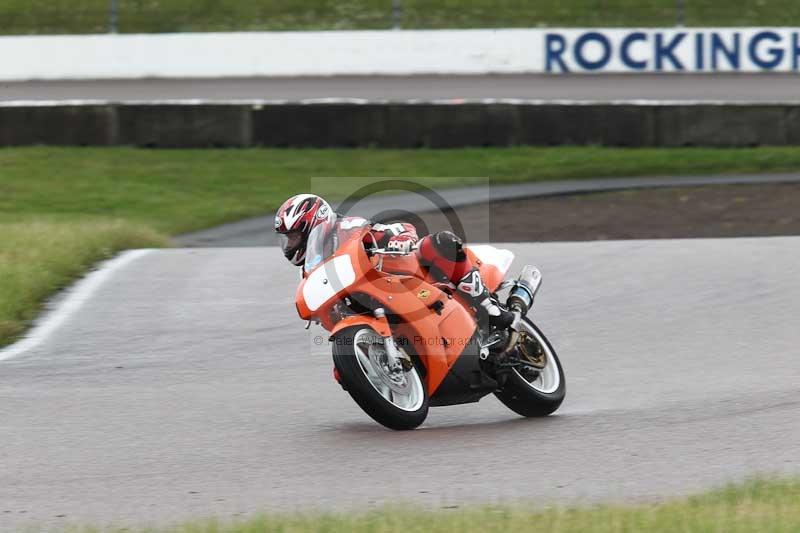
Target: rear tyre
<point>392,397</point>
<point>533,394</point>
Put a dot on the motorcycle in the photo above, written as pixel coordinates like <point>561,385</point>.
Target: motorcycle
<point>404,340</point>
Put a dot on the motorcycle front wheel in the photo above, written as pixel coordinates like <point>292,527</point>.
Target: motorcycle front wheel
<point>393,397</point>
<point>535,393</point>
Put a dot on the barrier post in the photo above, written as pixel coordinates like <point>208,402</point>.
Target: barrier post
<point>113,16</point>
<point>680,13</point>
<point>397,14</point>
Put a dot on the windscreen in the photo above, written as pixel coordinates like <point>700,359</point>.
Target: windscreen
<point>325,239</point>
<point>320,246</point>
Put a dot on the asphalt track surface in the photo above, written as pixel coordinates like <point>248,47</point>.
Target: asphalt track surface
<point>689,87</point>
<point>185,386</point>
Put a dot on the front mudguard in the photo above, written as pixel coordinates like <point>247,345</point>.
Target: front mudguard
<point>380,325</point>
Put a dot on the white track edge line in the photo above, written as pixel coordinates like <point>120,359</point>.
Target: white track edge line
<point>76,296</point>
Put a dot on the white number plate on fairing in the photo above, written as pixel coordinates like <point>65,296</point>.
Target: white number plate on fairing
<point>328,280</point>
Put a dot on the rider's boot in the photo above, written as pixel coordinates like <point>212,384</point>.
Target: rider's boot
<point>490,314</point>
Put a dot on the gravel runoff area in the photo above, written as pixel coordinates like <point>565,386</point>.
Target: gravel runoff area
<point>668,213</point>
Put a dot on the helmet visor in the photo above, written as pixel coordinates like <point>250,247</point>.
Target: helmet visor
<point>290,242</point>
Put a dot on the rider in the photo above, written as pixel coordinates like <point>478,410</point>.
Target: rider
<point>444,250</point>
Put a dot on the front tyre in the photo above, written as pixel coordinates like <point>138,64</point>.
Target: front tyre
<point>535,393</point>
<point>392,397</point>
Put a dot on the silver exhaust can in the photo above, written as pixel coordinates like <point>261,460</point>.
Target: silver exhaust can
<point>524,290</point>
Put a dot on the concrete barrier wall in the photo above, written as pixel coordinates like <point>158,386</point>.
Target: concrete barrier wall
<point>402,125</point>
<point>249,54</point>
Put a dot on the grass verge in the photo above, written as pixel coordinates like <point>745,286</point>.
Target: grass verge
<point>92,16</point>
<point>754,507</point>
<point>181,190</point>
<point>38,257</point>
<point>62,209</point>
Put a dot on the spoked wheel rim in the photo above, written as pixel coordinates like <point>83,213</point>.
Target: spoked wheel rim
<point>401,389</point>
<point>548,379</point>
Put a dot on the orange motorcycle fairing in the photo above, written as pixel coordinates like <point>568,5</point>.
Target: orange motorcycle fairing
<point>432,324</point>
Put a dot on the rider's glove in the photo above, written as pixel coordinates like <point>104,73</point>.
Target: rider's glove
<point>401,243</point>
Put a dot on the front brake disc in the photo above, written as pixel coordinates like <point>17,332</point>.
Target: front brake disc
<point>531,351</point>
<point>378,357</point>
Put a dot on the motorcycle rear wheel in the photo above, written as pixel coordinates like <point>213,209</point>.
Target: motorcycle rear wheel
<point>398,401</point>
<point>539,395</point>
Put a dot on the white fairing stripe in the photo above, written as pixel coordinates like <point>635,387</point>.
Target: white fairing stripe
<point>501,259</point>
<point>326,281</point>
<point>354,222</point>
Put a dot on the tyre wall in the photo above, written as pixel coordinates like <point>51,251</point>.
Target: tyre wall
<point>400,125</point>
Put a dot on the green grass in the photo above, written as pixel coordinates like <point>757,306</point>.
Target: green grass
<point>180,190</point>
<point>91,16</point>
<point>38,257</point>
<point>62,209</point>
<point>754,507</point>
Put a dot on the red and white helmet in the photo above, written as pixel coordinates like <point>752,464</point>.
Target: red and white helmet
<point>295,219</point>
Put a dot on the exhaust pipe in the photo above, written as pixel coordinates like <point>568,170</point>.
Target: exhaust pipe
<point>524,290</point>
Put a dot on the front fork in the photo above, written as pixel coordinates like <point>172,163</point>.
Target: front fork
<point>393,354</point>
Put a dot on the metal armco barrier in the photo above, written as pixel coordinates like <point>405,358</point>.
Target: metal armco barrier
<point>400,125</point>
